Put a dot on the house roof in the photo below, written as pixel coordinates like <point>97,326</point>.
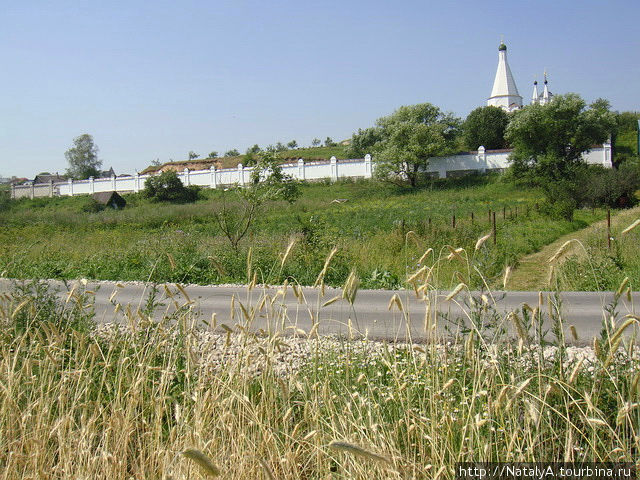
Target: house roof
<point>46,178</point>
<point>105,198</point>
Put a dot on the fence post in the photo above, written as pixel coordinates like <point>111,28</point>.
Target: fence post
<point>301,169</point>
<point>367,166</point>
<point>32,191</point>
<point>92,187</point>
<point>472,218</point>
<point>212,179</point>
<point>494,229</point>
<point>13,191</point>
<point>114,187</point>
<point>609,228</point>
<point>240,174</point>
<point>136,183</point>
<point>334,168</point>
<point>187,178</point>
<point>71,187</point>
<point>453,220</point>
<point>50,188</point>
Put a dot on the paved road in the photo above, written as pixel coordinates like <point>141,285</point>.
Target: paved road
<point>369,315</point>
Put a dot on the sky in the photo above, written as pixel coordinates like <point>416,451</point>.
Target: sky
<point>155,80</point>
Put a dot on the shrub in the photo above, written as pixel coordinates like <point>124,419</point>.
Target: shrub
<point>91,206</point>
<point>613,188</point>
<point>167,187</point>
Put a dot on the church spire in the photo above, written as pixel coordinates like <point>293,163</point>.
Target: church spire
<point>546,94</point>
<point>534,95</point>
<point>504,93</point>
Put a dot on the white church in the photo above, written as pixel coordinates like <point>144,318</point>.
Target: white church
<point>505,92</point>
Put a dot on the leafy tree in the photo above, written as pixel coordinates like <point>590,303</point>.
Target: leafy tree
<point>83,158</point>
<point>548,142</point>
<point>363,142</point>
<point>328,142</point>
<point>193,155</point>
<point>292,145</point>
<point>267,183</point>
<point>279,147</point>
<point>156,162</point>
<point>232,153</point>
<point>213,154</point>
<point>409,137</point>
<point>485,126</point>
<point>316,142</point>
<point>253,150</point>
<point>167,187</point>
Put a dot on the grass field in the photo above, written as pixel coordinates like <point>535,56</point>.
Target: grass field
<point>593,265</point>
<point>380,231</point>
<point>162,399</point>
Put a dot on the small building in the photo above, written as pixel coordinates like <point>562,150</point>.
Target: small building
<point>48,177</point>
<point>110,199</point>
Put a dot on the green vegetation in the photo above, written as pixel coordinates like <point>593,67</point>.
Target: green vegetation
<point>167,187</point>
<point>592,265</point>
<point>403,142</point>
<point>485,126</point>
<point>92,402</point>
<point>369,222</point>
<point>83,158</point>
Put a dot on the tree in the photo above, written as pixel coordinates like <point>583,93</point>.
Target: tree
<point>316,142</point>
<point>364,141</point>
<point>267,183</point>
<point>83,158</point>
<point>193,155</point>
<point>253,150</point>
<point>167,187</point>
<point>213,154</point>
<point>548,140</point>
<point>292,145</point>
<point>328,142</point>
<point>485,126</point>
<point>280,147</point>
<point>409,137</point>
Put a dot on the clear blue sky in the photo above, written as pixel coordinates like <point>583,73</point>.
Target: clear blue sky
<point>156,79</point>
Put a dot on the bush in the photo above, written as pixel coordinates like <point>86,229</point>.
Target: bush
<point>614,188</point>
<point>91,206</point>
<point>167,187</point>
<point>5,200</point>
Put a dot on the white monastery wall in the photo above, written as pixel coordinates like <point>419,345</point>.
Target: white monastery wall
<point>480,161</point>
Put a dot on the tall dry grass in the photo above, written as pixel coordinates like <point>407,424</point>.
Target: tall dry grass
<point>170,400</point>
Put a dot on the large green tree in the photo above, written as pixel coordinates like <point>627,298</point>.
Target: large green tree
<point>83,158</point>
<point>485,126</point>
<point>548,140</point>
<point>408,138</point>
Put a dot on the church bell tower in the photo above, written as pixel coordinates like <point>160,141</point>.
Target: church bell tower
<point>504,93</point>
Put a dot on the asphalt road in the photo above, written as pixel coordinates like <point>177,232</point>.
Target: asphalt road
<point>369,315</point>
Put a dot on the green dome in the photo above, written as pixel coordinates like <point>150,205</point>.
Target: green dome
<point>502,47</point>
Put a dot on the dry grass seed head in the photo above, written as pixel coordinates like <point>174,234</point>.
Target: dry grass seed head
<point>202,461</point>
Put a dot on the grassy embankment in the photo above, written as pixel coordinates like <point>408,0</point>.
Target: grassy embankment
<point>587,262</point>
<point>54,238</point>
<point>76,402</point>
<point>308,154</point>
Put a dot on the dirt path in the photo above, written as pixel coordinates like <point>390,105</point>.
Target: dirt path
<point>533,270</point>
